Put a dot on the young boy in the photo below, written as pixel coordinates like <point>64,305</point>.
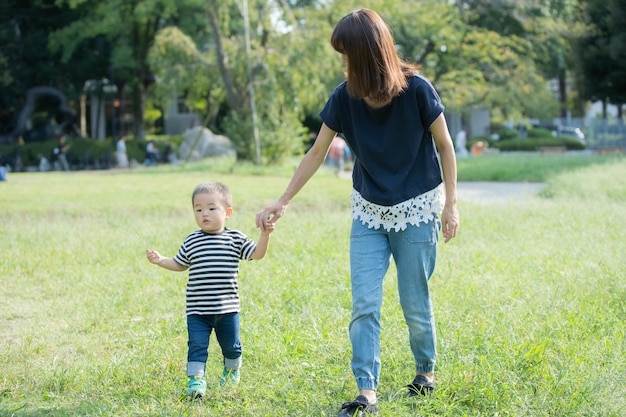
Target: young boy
<point>212,255</point>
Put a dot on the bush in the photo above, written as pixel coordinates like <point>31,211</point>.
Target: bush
<point>136,148</point>
<point>508,133</point>
<point>534,144</point>
<point>88,153</point>
<point>540,132</point>
<point>490,142</point>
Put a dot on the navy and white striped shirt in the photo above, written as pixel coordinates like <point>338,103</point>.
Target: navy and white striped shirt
<point>213,261</point>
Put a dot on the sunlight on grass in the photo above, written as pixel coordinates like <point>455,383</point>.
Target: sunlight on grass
<point>530,300</point>
<point>525,167</point>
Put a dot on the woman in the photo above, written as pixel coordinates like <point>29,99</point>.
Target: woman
<point>392,119</point>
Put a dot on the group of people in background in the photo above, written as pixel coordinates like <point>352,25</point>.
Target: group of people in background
<point>59,158</point>
<point>152,156</point>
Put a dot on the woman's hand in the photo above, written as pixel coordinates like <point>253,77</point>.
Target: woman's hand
<point>309,164</point>
<point>449,222</point>
<point>267,218</point>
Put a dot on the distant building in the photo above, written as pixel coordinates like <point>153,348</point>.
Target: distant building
<point>179,119</point>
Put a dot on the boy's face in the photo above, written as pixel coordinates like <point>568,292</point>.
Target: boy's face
<point>210,212</point>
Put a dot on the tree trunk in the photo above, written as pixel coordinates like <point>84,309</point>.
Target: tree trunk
<point>139,104</point>
<point>234,99</point>
<point>563,93</point>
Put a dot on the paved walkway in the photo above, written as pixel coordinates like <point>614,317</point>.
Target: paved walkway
<point>489,191</point>
<point>496,191</point>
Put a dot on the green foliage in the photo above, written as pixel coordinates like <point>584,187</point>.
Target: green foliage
<point>536,139</point>
<point>599,51</point>
<point>89,152</point>
<point>26,62</point>
<point>535,144</point>
<point>128,29</point>
<point>181,68</point>
<point>486,139</point>
<point>282,136</point>
<point>92,150</point>
<point>540,132</point>
<point>136,147</point>
<point>238,128</point>
<point>293,71</point>
<point>507,133</point>
<point>81,151</point>
<point>285,84</point>
<point>494,55</point>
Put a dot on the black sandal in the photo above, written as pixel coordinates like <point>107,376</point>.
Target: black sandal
<point>420,386</point>
<point>358,407</point>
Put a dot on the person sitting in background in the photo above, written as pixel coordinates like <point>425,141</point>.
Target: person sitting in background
<point>152,154</point>
<point>59,158</point>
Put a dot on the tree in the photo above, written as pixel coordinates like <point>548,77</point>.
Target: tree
<point>602,52</point>
<point>26,61</point>
<point>128,28</point>
<point>617,51</point>
<point>525,32</point>
<point>471,66</point>
<point>551,26</point>
<point>281,64</point>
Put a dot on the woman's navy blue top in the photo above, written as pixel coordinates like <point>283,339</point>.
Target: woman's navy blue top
<point>395,155</point>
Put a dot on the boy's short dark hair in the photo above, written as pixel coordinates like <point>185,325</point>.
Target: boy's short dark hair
<point>214,187</point>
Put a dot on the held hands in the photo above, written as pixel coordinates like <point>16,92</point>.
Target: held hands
<point>267,218</point>
<point>268,228</point>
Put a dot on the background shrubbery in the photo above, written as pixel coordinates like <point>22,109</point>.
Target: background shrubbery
<point>509,140</point>
<point>86,153</point>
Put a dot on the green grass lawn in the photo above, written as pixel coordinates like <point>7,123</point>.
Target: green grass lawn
<point>530,298</point>
<point>525,167</point>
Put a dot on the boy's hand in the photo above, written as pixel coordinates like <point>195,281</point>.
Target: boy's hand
<point>268,228</point>
<point>270,215</point>
<point>153,256</point>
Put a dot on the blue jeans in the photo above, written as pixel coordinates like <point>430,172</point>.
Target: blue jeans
<point>199,329</point>
<point>414,251</point>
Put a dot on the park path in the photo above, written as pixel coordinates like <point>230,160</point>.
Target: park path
<point>489,191</point>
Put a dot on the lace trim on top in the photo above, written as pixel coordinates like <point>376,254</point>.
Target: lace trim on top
<point>421,209</point>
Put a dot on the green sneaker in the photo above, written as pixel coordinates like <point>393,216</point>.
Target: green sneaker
<point>196,387</point>
<point>231,376</point>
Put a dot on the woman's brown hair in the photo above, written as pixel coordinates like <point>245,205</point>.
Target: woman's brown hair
<point>374,69</point>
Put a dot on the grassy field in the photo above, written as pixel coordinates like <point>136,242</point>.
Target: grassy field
<point>530,299</point>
